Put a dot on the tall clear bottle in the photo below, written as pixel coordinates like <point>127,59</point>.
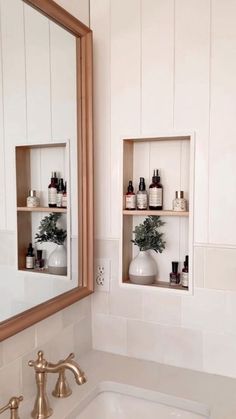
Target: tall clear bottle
<point>142,201</point>
<point>156,192</point>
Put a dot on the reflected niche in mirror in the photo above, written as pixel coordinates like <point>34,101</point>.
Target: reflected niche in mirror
<point>39,159</point>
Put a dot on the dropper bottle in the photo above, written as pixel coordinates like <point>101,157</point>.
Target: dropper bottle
<point>130,197</point>
<point>142,195</point>
<point>156,192</point>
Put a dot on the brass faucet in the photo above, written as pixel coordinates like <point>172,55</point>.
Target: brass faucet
<point>13,405</point>
<point>42,409</point>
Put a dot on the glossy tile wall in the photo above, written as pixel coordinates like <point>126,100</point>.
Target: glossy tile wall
<point>161,65</point>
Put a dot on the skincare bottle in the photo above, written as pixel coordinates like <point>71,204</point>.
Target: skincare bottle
<point>32,200</point>
<point>155,192</point>
<point>142,195</point>
<point>179,203</point>
<point>64,197</point>
<point>184,273</point>
<point>60,191</point>
<point>39,262</point>
<point>174,275</point>
<point>130,197</point>
<point>29,261</point>
<point>52,191</point>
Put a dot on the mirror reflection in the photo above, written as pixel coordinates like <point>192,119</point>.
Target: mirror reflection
<point>38,159</point>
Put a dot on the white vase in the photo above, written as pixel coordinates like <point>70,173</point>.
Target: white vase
<point>57,261</point>
<point>143,269</point>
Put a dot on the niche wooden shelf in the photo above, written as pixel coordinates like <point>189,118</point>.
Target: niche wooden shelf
<point>34,164</point>
<point>41,209</point>
<point>163,213</point>
<point>173,154</point>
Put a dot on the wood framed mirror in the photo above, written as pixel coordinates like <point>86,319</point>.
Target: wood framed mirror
<point>84,175</point>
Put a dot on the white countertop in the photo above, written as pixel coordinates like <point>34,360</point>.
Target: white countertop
<point>216,392</point>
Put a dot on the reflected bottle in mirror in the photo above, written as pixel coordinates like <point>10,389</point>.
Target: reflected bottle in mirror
<point>52,191</point>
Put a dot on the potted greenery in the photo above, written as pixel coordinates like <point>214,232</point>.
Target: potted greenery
<point>49,231</point>
<point>147,236</point>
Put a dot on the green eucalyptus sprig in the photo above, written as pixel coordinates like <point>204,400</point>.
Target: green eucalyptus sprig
<point>148,236</point>
<point>48,230</point>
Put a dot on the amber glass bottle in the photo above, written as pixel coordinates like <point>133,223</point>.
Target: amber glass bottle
<point>156,192</point>
<point>130,197</point>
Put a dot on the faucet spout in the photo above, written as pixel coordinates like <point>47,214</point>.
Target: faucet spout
<point>67,364</point>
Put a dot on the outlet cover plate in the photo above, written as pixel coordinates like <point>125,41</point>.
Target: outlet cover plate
<point>102,270</point>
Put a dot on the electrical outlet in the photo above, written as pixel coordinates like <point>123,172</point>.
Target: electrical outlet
<point>102,274</point>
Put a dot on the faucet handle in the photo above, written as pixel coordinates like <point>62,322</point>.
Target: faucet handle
<point>40,363</point>
<point>62,388</point>
<point>13,405</point>
<point>70,357</point>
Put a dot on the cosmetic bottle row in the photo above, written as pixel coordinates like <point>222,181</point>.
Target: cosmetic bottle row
<point>176,277</point>
<point>57,194</point>
<point>141,200</point>
<point>32,261</point>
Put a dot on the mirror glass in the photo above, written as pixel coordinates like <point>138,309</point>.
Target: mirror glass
<point>38,136</point>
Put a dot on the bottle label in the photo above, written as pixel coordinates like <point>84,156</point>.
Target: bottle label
<point>52,196</point>
<point>29,262</point>
<point>184,279</point>
<point>130,201</point>
<point>32,201</point>
<point>59,200</point>
<point>64,201</point>
<point>142,201</point>
<point>179,204</point>
<point>155,197</point>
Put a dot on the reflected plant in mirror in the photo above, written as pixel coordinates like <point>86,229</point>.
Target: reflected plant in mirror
<point>50,232</point>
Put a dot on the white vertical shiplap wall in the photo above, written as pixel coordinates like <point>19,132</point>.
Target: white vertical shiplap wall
<point>125,91</point>
<point>38,105</point>
<point>191,98</point>
<point>14,97</point>
<point>157,64</point>
<point>157,71</point>
<point>37,51</point>
<point>222,168</point>
<point>38,101</point>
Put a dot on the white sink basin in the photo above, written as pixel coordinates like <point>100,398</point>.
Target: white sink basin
<point>119,401</point>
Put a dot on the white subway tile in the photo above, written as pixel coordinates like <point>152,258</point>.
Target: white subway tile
<point>144,340</point>
<point>28,374</point>
<point>18,345</point>
<point>83,336</point>
<point>7,243</point>
<point>199,266</point>
<point>230,320</point>
<point>182,347</point>
<point>100,302</point>
<point>220,269</point>
<point>125,302</point>
<point>219,354</point>
<point>75,312</point>
<point>205,310</point>
<point>109,249</point>
<point>10,381</point>
<point>48,328</point>
<point>109,333</point>
<point>162,308</point>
